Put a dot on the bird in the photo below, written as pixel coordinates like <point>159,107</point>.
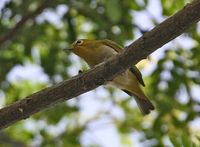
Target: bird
<point>95,52</point>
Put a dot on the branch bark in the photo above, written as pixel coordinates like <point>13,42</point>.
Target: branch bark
<point>11,33</point>
<point>140,49</point>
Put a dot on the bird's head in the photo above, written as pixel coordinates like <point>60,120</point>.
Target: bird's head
<point>82,45</point>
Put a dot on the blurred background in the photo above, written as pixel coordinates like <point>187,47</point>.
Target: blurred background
<point>32,36</point>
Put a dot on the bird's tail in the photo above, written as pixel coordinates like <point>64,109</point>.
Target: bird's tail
<point>143,103</point>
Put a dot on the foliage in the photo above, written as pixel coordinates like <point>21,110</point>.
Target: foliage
<point>40,41</point>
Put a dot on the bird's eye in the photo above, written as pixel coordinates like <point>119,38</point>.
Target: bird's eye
<point>79,42</point>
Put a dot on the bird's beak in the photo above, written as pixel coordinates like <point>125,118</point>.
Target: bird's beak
<point>67,49</point>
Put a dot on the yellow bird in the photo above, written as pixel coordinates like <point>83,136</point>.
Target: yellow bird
<point>97,51</point>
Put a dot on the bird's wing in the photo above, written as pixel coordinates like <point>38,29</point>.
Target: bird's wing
<point>113,45</point>
<point>138,74</point>
<point>118,49</point>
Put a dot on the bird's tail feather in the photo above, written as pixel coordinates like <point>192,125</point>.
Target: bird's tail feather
<point>144,104</point>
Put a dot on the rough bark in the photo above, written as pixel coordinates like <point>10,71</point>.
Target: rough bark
<point>138,50</point>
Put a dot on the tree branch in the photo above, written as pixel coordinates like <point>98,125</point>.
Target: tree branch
<point>11,33</point>
<point>140,49</point>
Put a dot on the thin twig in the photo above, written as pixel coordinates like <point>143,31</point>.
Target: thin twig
<point>12,32</point>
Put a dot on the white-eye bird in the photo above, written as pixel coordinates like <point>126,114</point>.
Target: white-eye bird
<point>97,51</point>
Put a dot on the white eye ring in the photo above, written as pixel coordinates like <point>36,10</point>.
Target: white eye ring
<point>79,42</point>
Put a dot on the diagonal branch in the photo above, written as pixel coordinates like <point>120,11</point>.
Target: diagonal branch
<point>12,32</point>
<point>140,49</point>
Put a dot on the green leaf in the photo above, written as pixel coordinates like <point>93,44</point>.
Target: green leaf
<point>175,140</point>
<point>113,10</point>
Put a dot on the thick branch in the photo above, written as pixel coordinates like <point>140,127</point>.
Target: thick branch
<point>11,33</point>
<point>140,49</point>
